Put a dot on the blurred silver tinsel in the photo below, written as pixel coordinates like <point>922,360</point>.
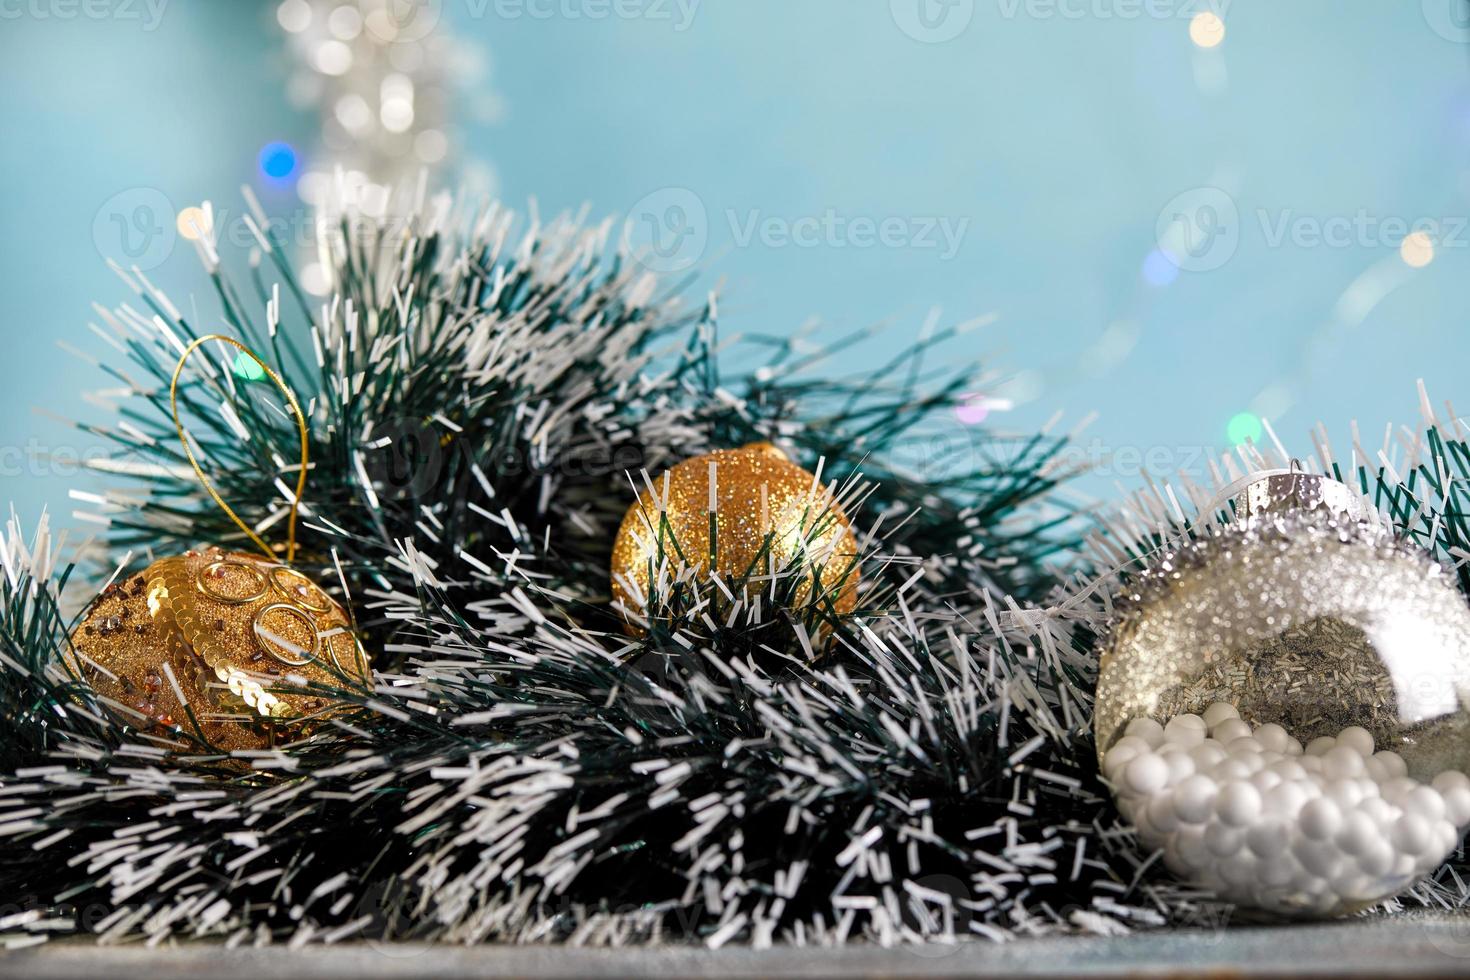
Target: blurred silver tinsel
<point>391,81</point>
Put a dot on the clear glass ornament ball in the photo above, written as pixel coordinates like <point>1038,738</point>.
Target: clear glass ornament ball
<point>1307,619</point>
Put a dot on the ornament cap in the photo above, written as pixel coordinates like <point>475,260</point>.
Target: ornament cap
<point>1281,490</point>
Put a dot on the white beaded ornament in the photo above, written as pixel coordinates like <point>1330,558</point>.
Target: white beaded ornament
<point>1261,822</point>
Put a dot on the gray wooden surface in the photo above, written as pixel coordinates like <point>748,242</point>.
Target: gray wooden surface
<point>1405,946</point>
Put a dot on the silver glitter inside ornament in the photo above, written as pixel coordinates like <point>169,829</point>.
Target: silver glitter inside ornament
<point>1299,614</point>
<point>1307,627</point>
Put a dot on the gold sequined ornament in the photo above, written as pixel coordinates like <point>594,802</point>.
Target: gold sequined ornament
<point>1282,703</point>
<point>223,645</point>
<point>237,633</point>
<point>753,516</point>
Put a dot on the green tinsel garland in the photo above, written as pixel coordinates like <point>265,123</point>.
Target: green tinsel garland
<point>478,395</point>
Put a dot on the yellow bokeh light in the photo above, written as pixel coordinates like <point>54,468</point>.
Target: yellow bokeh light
<point>1206,29</point>
<point>193,223</point>
<point>1417,249</point>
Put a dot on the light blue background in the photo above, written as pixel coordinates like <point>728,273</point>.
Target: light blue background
<point>1056,133</point>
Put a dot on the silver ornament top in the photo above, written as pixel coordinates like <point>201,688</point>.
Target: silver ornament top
<point>1280,491</point>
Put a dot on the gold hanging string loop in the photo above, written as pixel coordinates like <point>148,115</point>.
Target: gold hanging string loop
<point>173,399</point>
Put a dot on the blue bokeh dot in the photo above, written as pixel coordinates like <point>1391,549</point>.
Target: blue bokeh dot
<point>277,160</point>
<point>1159,269</point>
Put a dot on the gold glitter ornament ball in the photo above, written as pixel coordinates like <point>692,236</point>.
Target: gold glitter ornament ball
<point>220,632</point>
<point>757,495</point>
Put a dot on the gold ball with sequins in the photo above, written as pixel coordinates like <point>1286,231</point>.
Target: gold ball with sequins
<point>751,515</point>
<point>221,645</point>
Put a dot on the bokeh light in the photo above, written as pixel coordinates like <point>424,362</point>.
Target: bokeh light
<point>315,279</point>
<point>1417,249</point>
<point>1206,29</point>
<point>193,223</point>
<point>353,112</point>
<point>277,161</point>
<point>976,408</point>
<point>397,115</point>
<point>345,22</point>
<point>430,145</point>
<point>294,16</point>
<point>333,58</point>
<point>972,413</point>
<point>246,368</point>
<point>1159,269</point>
<point>1244,426</point>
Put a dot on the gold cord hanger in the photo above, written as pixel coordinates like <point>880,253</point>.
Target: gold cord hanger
<point>173,399</point>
